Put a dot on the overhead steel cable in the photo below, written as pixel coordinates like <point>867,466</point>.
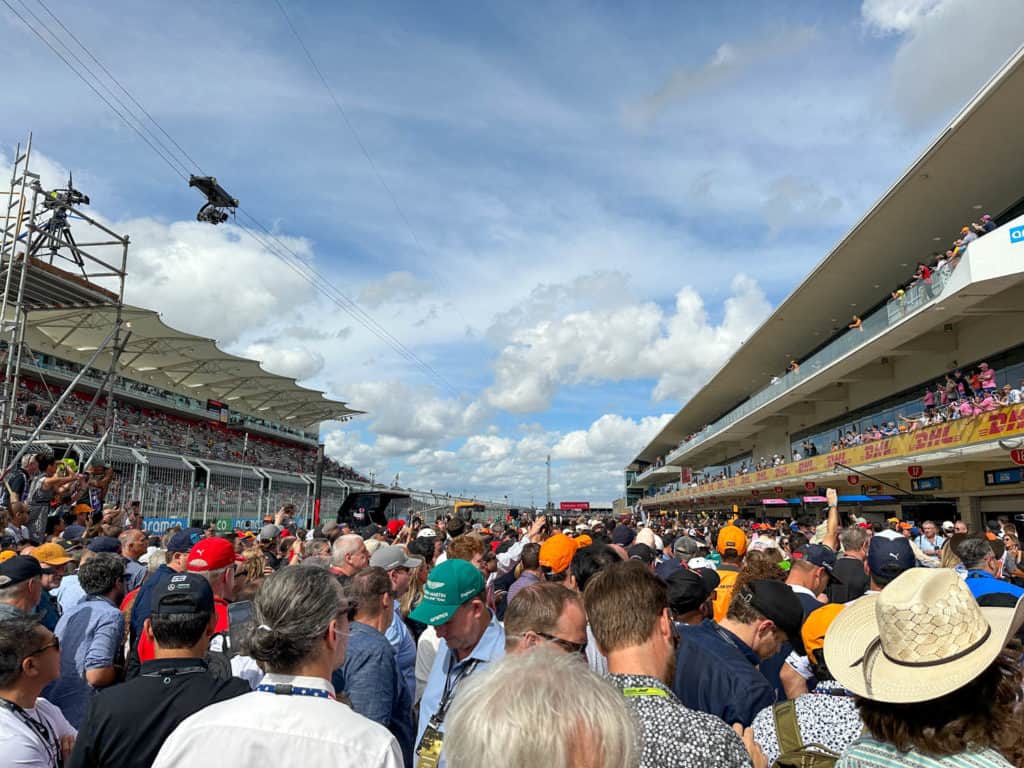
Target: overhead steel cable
<point>124,90</point>
<point>362,147</point>
<point>177,164</point>
<point>115,110</point>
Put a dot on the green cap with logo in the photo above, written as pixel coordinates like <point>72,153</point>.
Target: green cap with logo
<point>449,585</point>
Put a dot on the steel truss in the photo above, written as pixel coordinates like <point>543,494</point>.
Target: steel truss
<point>53,255</point>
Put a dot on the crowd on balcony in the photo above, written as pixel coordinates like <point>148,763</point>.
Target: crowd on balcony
<point>155,430</point>
<point>940,262</point>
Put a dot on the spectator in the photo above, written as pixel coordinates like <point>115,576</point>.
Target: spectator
<point>586,563</point>
<point>399,566</point>
<point>984,569</point>
<point>29,661</point>
<point>140,647</point>
<point>717,663</point>
<point>531,572</point>
<point>91,633</point>
<point>850,570</point>
<point>349,555</point>
<point>21,587</point>
<point>963,706</point>
<point>690,595</point>
<point>731,545</point>
<point>292,717</point>
<point>126,725</point>
<point>825,717</point>
<point>546,614</point>
<point>133,546</point>
<point>214,560</point>
<point>370,676</point>
<point>489,727</point>
<point>454,601</point>
<point>628,606</point>
<point>53,560</point>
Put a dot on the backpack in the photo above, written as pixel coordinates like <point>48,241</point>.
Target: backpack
<point>793,753</point>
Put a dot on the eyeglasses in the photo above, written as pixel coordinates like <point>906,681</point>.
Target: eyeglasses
<point>48,646</point>
<point>566,645</point>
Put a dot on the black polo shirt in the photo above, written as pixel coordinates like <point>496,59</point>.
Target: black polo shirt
<point>125,725</point>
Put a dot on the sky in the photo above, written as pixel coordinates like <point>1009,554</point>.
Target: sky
<point>567,214</point>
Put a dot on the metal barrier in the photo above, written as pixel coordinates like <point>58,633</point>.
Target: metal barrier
<point>287,488</point>
<point>167,489</point>
<point>129,470</point>
<point>230,490</point>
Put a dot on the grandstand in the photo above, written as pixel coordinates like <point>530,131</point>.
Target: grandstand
<point>192,432</point>
<point>818,398</point>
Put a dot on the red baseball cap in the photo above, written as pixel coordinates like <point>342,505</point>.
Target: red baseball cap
<point>210,555</point>
<point>394,526</point>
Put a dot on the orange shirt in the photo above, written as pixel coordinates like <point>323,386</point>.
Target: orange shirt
<point>727,575</point>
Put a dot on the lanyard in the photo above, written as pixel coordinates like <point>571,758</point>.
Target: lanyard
<point>450,685</point>
<point>286,689</point>
<point>632,693</point>
<point>48,737</point>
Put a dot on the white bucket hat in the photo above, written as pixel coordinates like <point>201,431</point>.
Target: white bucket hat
<point>924,636</point>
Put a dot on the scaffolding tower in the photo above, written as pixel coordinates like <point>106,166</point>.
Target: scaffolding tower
<point>53,255</point>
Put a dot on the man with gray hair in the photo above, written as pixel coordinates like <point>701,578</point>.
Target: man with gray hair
<point>91,633</point>
<point>984,570</point>
<point>349,555</point>
<point>542,708</point>
<point>850,571</point>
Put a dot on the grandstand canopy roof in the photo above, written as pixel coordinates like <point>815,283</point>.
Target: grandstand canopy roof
<point>975,166</point>
<point>170,359</point>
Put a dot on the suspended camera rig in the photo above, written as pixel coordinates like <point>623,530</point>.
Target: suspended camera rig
<point>53,256</point>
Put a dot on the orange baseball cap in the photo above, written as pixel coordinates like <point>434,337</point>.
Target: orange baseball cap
<point>732,537</point>
<point>816,625</point>
<point>557,551</point>
<point>583,540</point>
<point>50,554</point>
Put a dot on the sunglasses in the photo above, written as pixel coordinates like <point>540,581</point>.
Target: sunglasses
<point>566,645</point>
<point>48,646</point>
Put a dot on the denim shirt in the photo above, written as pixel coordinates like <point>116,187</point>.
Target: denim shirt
<point>405,650</point>
<point>373,683</point>
<point>491,647</point>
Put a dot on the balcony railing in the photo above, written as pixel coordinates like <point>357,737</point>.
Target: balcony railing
<point>873,325</point>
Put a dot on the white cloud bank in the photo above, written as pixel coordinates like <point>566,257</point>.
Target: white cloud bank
<point>680,350</point>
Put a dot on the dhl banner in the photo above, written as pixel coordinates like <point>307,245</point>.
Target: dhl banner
<point>994,425</point>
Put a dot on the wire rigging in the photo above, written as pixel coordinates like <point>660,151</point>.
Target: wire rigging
<point>269,241</point>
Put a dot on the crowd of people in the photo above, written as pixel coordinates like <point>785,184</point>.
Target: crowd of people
<point>687,642</point>
<point>940,262</point>
<point>139,427</point>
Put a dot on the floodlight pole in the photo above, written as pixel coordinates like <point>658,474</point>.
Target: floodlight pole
<point>318,484</point>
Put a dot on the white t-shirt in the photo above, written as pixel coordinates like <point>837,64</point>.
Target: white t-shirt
<point>21,744</point>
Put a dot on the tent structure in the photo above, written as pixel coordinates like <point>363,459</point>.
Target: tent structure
<point>192,366</point>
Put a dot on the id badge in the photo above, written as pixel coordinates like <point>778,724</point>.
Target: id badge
<point>429,749</point>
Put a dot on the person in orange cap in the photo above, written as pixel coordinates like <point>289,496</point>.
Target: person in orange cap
<point>53,559</point>
<point>555,555</point>
<point>732,546</point>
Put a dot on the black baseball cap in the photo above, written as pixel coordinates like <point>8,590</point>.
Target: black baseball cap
<point>817,554</point>
<point>104,544</point>
<point>179,542</point>
<point>181,593</point>
<point>776,601</point>
<point>643,553</point>
<point>17,569</point>
<point>688,589</point>
<point>889,556</point>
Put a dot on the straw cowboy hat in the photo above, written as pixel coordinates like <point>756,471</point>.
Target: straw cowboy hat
<point>924,636</point>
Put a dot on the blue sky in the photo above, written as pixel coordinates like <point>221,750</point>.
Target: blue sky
<point>573,212</point>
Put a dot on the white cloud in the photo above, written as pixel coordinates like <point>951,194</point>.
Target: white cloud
<point>296,362</point>
<point>633,342</point>
<point>948,50</point>
<point>393,288</point>
<point>896,16</point>
<point>610,437</point>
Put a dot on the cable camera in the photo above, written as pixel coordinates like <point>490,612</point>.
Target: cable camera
<point>217,200</point>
